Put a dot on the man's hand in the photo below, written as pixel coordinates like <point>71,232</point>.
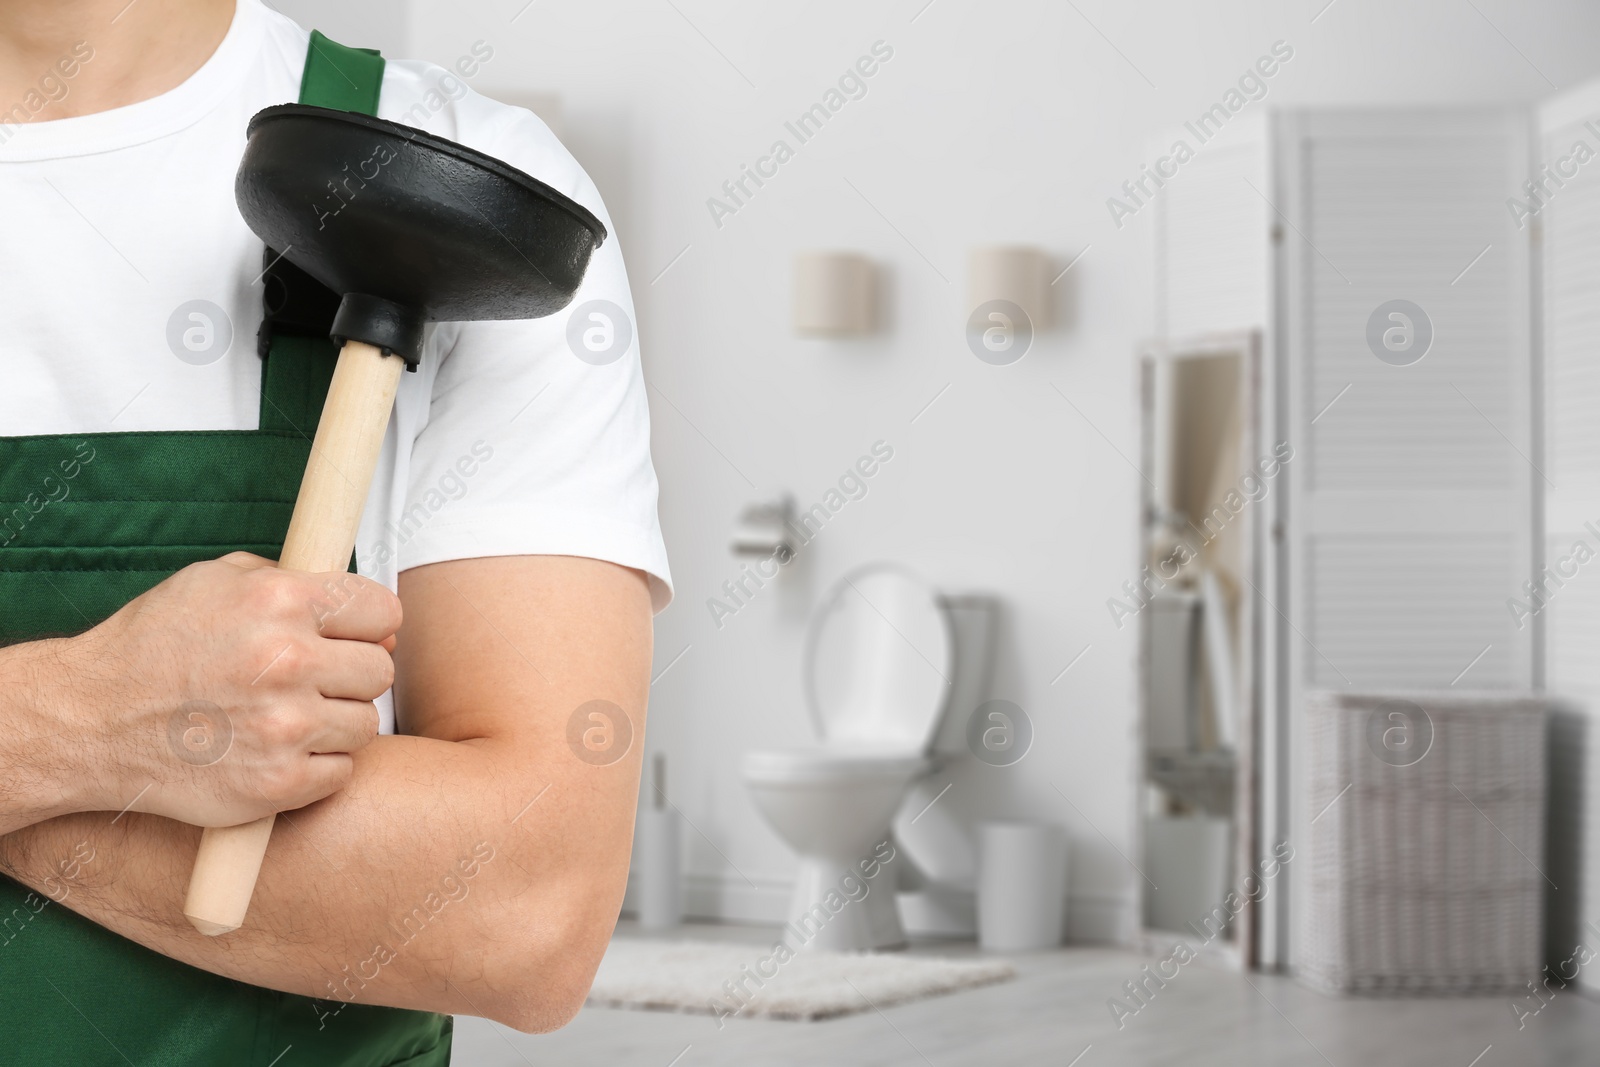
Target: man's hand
<point>475,863</point>
<point>230,691</point>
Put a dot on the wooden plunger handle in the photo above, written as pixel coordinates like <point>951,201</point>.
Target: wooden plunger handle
<point>321,535</point>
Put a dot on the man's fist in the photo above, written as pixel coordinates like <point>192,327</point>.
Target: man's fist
<point>230,691</point>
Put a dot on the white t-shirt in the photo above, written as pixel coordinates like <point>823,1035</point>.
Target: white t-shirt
<point>118,224</point>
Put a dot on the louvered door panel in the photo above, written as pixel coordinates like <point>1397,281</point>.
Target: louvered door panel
<point>1414,508</point>
<point>1401,217</point>
<point>1570,225</point>
<point>1366,589</point>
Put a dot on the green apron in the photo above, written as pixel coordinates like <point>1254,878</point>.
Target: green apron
<point>88,522</point>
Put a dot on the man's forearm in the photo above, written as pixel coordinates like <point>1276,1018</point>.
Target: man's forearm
<point>474,864</point>
<point>445,877</point>
<point>38,779</point>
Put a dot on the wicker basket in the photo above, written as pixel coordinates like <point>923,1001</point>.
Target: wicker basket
<point>1427,842</point>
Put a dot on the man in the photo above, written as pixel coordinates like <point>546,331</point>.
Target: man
<point>159,674</point>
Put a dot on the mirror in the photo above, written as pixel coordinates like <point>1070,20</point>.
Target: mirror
<point>1205,477</point>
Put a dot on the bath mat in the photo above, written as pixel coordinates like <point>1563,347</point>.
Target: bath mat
<point>743,981</point>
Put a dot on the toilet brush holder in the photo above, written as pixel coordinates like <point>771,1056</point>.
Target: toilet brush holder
<point>660,857</point>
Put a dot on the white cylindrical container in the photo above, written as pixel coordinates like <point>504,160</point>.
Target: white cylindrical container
<point>660,868</point>
<point>1022,886</point>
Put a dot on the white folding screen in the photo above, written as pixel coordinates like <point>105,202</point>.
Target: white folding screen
<point>1411,514</point>
<point>1566,216</point>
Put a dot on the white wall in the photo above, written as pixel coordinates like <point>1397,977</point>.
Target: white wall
<point>381,24</point>
<point>993,122</point>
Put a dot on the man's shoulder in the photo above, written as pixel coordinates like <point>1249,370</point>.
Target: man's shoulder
<point>444,100</point>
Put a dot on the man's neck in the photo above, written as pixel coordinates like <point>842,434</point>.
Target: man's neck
<point>118,53</point>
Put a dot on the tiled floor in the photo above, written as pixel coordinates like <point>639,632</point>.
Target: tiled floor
<point>1056,1010</point>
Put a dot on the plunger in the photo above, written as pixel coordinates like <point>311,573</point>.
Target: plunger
<point>409,228</point>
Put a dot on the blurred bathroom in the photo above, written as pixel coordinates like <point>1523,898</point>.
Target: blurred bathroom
<point>1124,471</point>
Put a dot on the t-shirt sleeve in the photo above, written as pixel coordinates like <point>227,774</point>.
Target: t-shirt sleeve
<point>542,426</point>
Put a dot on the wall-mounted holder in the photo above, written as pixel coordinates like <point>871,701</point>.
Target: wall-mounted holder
<point>766,529</point>
<point>1015,273</point>
<point>835,295</point>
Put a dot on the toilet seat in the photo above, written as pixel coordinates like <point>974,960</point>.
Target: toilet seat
<point>877,661</point>
<point>830,763</point>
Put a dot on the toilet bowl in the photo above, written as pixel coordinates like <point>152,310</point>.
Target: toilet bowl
<point>886,658</point>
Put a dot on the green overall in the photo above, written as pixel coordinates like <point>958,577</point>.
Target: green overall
<point>92,521</point>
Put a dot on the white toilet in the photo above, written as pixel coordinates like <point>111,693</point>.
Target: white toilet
<point>886,659</point>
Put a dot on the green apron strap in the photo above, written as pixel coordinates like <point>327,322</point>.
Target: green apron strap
<point>294,381</point>
<point>297,369</point>
<point>345,78</point>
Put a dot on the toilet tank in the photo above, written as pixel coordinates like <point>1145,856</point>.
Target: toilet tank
<point>973,621</point>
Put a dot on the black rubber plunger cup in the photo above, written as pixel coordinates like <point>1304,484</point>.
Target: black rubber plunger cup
<point>408,228</point>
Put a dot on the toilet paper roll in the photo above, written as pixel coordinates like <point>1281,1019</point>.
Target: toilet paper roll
<point>660,868</point>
